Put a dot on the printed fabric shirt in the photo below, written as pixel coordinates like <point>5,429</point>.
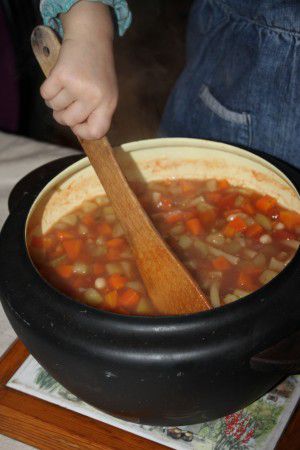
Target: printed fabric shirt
<point>51,9</point>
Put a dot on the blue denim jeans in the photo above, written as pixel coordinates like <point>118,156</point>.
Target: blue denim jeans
<point>241,82</point>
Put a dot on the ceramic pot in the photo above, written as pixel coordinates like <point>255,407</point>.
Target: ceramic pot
<point>154,370</point>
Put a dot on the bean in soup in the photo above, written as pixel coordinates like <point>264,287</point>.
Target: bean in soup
<point>233,241</point>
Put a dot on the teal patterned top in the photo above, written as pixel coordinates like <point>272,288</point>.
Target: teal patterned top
<point>50,10</point>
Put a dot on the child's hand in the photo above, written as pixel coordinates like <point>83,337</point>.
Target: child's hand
<point>82,88</point>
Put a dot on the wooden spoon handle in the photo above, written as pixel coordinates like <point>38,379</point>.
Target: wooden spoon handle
<point>178,292</point>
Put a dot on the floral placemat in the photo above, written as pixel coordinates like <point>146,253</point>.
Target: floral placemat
<point>259,426</point>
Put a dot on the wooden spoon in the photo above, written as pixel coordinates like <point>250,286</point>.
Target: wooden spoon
<point>170,287</point>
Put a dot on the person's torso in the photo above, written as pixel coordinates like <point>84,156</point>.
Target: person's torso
<point>283,14</point>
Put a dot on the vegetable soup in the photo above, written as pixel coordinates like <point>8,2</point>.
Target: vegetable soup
<point>233,241</point>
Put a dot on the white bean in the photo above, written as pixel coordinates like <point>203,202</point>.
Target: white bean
<point>92,297</point>
<point>265,239</point>
<point>100,283</point>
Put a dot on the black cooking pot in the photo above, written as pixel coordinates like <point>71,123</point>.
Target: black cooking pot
<point>162,370</point>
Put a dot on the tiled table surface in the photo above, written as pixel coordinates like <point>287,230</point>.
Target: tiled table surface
<point>18,156</point>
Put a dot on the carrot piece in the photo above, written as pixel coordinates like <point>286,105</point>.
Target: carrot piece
<point>117,281</point>
<point>98,269</point>
<point>173,217</point>
<point>223,184</point>
<point>254,230</point>
<point>111,299</point>
<point>72,248</point>
<point>116,243</point>
<point>64,270</point>
<point>129,299</point>
<point>245,281</point>
<point>290,219</point>
<point>88,220</point>
<point>213,197</point>
<point>238,224</point>
<point>104,229</point>
<point>63,234</point>
<point>229,231</point>
<point>227,201</point>
<point>265,203</point>
<point>221,263</point>
<point>194,226</point>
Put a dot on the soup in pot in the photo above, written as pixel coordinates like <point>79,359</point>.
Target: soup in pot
<point>233,241</point>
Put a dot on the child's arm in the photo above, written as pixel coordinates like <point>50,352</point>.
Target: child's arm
<point>82,88</point>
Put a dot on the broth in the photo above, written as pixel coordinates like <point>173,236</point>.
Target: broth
<point>233,241</point>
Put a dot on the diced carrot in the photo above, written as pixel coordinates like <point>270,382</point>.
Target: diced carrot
<point>254,230</point>
<point>247,207</point>
<point>72,248</point>
<point>194,226</point>
<point>290,219</point>
<point>88,220</point>
<point>129,299</point>
<point>104,229</point>
<point>221,263</point>
<point>238,224</point>
<point>64,270</point>
<point>265,203</point>
<point>227,201</point>
<point>111,299</point>
<point>117,281</point>
<point>116,243</point>
<point>229,231</point>
<point>63,234</point>
<point>174,216</point>
<point>42,242</point>
<point>245,281</point>
<point>223,184</point>
<point>98,269</point>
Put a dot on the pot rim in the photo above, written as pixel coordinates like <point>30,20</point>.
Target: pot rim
<point>246,306</point>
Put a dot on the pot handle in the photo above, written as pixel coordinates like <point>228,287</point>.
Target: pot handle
<point>282,357</point>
